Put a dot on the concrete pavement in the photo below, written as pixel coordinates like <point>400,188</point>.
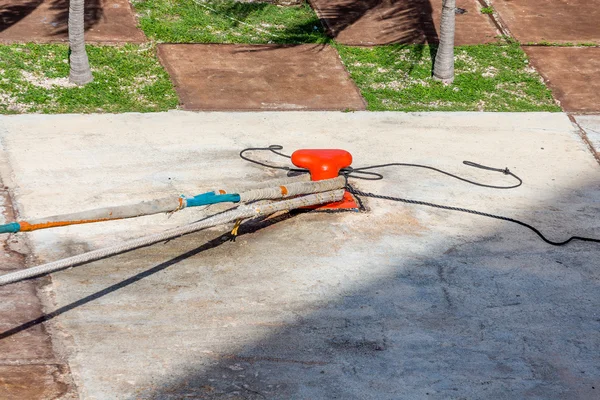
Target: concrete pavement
<point>397,302</point>
<point>590,124</point>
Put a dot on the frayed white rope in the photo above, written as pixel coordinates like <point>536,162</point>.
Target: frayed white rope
<point>270,183</point>
<point>293,189</point>
<point>242,212</point>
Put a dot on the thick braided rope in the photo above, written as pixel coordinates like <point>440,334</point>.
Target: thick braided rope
<point>273,182</point>
<point>242,212</point>
<point>293,189</point>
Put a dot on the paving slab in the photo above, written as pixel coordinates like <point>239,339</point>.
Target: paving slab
<point>572,73</point>
<point>260,77</point>
<point>397,302</point>
<point>376,22</point>
<point>44,21</point>
<point>591,126</point>
<point>32,382</point>
<point>572,21</point>
<point>29,368</point>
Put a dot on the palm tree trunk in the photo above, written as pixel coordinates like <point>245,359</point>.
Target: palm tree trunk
<point>443,68</point>
<point>80,66</point>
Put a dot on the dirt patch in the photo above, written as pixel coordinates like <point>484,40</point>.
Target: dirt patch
<point>46,83</point>
<point>12,104</point>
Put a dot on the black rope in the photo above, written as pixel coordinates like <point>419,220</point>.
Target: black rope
<point>466,210</point>
<point>274,148</point>
<point>374,176</point>
<point>505,171</point>
<point>350,172</point>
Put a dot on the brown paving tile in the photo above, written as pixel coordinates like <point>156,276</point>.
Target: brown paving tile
<point>551,20</point>
<point>263,77</point>
<point>29,369</point>
<point>19,306</point>
<point>572,73</point>
<point>32,382</point>
<point>373,22</point>
<point>43,21</point>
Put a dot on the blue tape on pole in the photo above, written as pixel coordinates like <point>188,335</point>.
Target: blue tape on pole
<point>211,198</point>
<point>13,227</point>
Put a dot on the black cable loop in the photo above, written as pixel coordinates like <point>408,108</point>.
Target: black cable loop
<point>274,149</point>
<point>350,172</point>
<point>505,171</point>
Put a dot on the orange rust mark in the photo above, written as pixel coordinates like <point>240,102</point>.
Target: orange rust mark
<point>26,226</point>
<point>221,191</point>
<point>284,190</point>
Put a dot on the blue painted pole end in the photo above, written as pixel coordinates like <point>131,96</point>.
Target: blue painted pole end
<point>13,227</point>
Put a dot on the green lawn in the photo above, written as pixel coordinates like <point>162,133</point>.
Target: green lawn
<point>488,78</point>
<point>34,79</point>
<point>227,21</point>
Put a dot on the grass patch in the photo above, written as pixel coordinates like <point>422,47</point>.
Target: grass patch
<point>487,10</point>
<point>566,44</point>
<point>227,21</point>
<point>487,78</point>
<point>34,79</point>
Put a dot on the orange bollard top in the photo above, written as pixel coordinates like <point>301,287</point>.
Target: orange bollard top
<point>322,163</point>
<point>326,164</point>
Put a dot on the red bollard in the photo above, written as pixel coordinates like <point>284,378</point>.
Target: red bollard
<point>326,164</point>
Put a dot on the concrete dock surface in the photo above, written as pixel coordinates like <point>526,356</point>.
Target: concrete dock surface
<point>397,302</point>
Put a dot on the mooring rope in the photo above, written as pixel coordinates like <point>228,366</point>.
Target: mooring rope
<point>242,212</point>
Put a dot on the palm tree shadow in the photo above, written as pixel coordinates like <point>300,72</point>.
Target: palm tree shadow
<point>93,13</point>
<point>13,13</point>
<point>406,24</point>
<point>387,21</point>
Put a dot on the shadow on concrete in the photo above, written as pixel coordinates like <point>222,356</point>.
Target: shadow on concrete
<point>13,12</point>
<point>246,228</point>
<point>504,316</point>
<point>497,314</point>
